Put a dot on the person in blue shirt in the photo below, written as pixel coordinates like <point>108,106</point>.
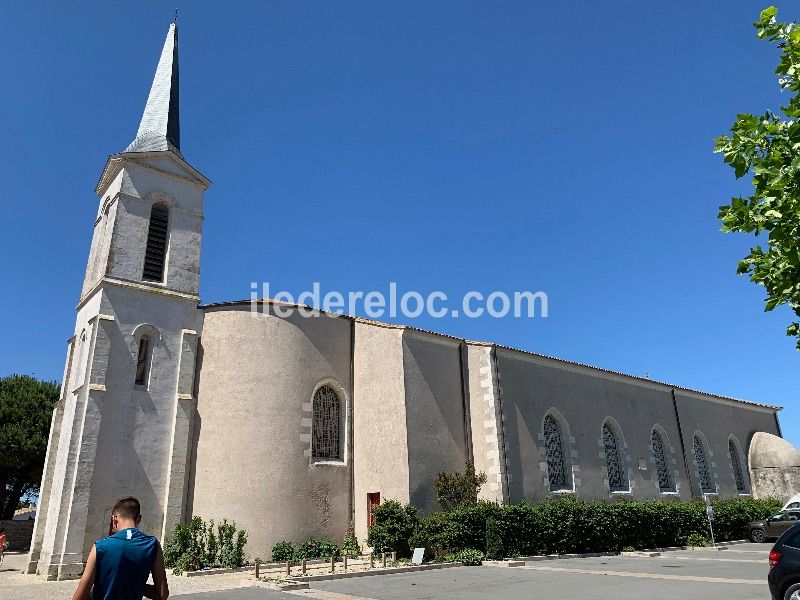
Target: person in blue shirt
<point>119,565</point>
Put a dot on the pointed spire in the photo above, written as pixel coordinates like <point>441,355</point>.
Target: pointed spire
<point>160,125</point>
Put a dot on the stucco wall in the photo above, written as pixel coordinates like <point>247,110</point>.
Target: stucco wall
<point>585,398</point>
<point>435,413</point>
<point>380,439</point>
<point>253,426</point>
<point>717,420</point>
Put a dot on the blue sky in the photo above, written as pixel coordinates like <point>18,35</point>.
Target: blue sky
<point>446,146</point>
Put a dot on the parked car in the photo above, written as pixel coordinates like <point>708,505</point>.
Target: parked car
<point>784,566</point>
<point>772,527</point>
<point>793,502</point>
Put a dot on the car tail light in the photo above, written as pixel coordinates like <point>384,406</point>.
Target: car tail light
<point>774,559</point>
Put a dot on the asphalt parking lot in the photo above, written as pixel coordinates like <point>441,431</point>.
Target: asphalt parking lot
<point>739,572</point>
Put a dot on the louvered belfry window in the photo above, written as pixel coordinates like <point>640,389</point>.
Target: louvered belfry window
<point>617,481</point>
<point>554,447</point>
<point>737,466</point>
<point>701,460</point>
<point>659,454</point>
<point>326,425</point>
<point>156,253</point>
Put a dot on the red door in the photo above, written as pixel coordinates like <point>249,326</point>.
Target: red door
<point>373,500</point>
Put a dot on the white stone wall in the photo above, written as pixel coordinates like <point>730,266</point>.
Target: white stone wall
<point>381,437</point>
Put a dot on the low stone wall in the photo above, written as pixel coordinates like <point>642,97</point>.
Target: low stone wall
<point>18,534</point>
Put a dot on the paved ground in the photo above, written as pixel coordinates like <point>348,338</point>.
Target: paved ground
<point>738,573</point>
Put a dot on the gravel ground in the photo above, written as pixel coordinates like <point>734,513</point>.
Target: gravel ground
<point>14,584</point>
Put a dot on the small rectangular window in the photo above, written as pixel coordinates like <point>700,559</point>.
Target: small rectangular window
<point>141,361</point>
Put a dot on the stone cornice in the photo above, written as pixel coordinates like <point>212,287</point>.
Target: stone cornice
<point>116,162</point>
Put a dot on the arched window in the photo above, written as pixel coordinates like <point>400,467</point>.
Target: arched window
<point>142,360</point>
<point>554,448</point>
<point>156,252</point>
<point>701,460</point>
<point>662,466</point>
<point>617,480</point>
<point>736,465</point>
<point>326,439</point>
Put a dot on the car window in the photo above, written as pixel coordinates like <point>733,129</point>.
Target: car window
<point>793,505</point>
<point>792,537</point>
<point>791,517</point>
<point>778,517</point>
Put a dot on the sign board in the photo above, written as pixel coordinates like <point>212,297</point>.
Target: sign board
<point>418,554</point>
<point>710,512</point>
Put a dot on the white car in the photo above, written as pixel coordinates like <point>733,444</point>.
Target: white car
<point>793,502</point>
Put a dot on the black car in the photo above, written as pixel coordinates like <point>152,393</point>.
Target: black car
<point>772,527</point>
<point>784,566</point>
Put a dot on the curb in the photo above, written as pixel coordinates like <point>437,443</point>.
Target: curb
<point>504,563</point>
<point>540,557</point>
<point>220,571</point>
<point>386,571</point>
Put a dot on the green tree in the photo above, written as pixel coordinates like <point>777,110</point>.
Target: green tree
<point>456,489</point>
<point>768,146</point>
<point>26,408</point>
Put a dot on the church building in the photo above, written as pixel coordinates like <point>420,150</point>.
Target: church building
<point>294,426</point>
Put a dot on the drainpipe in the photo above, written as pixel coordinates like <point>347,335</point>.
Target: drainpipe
<point>350,427</point>
<point>683,446</point>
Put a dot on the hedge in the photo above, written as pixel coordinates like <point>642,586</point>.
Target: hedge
<point>569,525</point>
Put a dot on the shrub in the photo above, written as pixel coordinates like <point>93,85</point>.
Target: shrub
<point>494,543</point>
<point>194,546</point>
<point>394,525</point>
<point>313,548</point>
<point>282,551</point>
<point>350,546</point>
<point>697,540</point>
<point>732,515</point>
<point>456,489</point>
<point>186,549</point>
<point>327,549</point>
<point>212,548</point>
<point>231,544</point>
<point>469,557</point>
<point>433,533</point>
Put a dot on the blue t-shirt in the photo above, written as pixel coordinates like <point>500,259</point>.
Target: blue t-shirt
<point>124,561</point>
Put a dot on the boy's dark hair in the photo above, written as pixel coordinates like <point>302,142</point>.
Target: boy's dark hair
<point>127,508</point>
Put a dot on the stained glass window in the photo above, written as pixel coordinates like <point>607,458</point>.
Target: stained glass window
<point>554,446</point>
<point>736,465</point>
<point>616,475</point>
<point>701,459</point>
<point>326,435</point>
<point>662,468</point>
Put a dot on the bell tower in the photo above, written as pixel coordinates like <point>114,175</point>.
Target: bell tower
<point>124,420</point>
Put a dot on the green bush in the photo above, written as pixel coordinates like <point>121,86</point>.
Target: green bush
<point>186,549</point>
<point>194,546</point>
<point>457,489</point>
<point>732,516</point>
<point>350,545</point>
<point>231,545</point>
<point>698,540</point>
<point>494,543</point>
<point>469,557</point>
<point>394,525</point>
<point>282,551</point>
<point>313,548</point>
<point>569,525</point>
